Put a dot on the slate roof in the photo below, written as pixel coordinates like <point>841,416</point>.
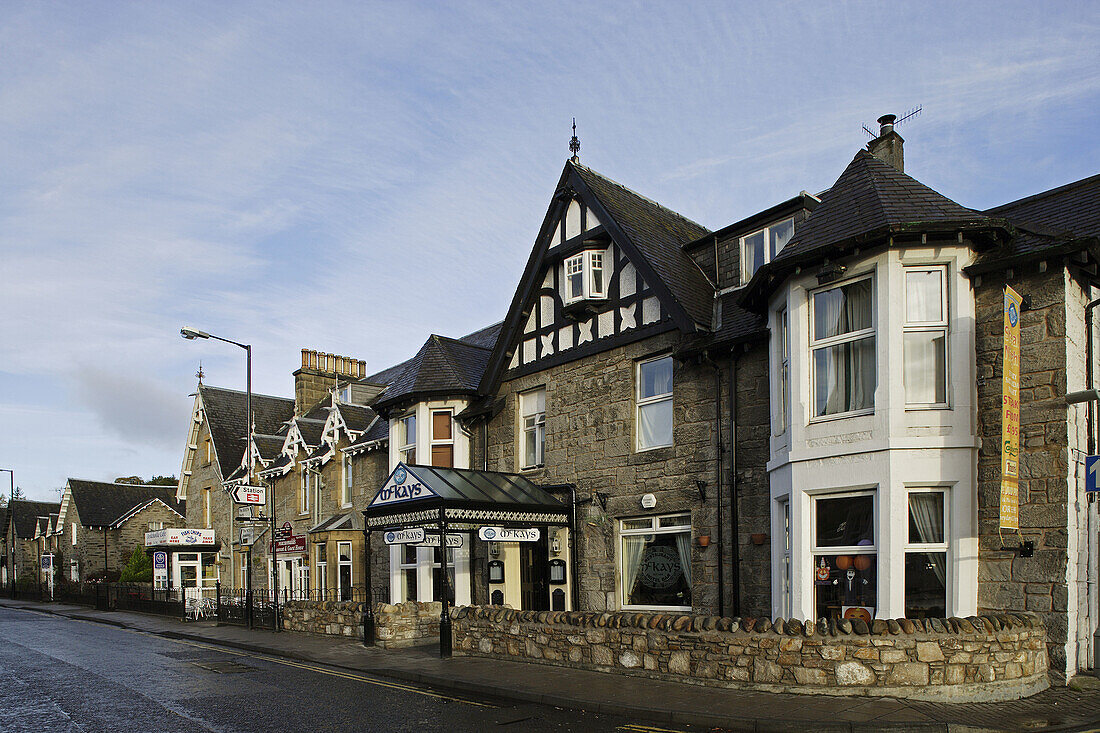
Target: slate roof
<point>101,504</point>
<point>659,234</point>
<point>357,417</point>
<point>269,445</point>
<point>224,410</point>
<point>310,429</point>
<point>1072,209</point>
<point>379,431</point>
<point>442,366</point>
<point>871,196</point>
<point>340,522</point>
<point>483,337</point>
<point>4,514</point>
<point>26,513</point>
<point>281,462</point>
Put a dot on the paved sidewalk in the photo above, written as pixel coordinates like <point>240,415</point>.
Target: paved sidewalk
<point>1055,709</point>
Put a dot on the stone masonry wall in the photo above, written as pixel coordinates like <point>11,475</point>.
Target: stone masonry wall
<point>590,442</point>
<point>397,625</point>
<point>999,657</point>
<point>754,492</point>
<point>1007,581</point>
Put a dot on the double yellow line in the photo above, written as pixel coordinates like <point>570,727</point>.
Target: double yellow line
<point>646,728</point>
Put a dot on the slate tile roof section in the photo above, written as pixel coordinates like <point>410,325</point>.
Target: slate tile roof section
<point>310,429</point>
<point>1073,209</point>
<point>101,504</point>
<point>26,514</point>
<point>269,445</point>
<point>379,431</point>
<point>659,234</point>
<point>870,196</point>
<point>225,415</point>
<point>442,366</point>
<point>483,337</point>
<point>357,417</point>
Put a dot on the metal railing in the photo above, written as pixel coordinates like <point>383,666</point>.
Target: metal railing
<point>357,595</point>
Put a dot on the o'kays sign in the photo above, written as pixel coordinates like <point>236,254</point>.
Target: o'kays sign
<point>1010,414</point>
<point>402,486</point>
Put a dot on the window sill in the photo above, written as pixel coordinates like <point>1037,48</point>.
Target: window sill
<point>346,505</point>
<point>529,469</point>
<point>656,608</point>
<point>841,416</point>
<point>921,408</point>
<point>653,448</point>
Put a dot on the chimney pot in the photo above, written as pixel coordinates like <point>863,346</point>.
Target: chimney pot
<point>887,147</point>
<point>886,123</point>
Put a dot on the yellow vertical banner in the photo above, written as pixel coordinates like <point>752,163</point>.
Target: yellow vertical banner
<point>1010,414</point>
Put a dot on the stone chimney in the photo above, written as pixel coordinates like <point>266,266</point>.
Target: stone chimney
<point>321,372</point>
<point>887,146</point>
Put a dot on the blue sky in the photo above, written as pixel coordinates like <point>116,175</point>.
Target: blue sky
<point>352,177</point>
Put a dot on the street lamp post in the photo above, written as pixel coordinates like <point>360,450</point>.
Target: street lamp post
<point>10,549</point>
<point>194,333</point>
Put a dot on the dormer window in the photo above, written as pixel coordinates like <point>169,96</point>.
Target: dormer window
<point>584,277</point>
<point>763,245</point>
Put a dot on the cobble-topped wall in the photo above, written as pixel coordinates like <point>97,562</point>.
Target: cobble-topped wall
<point>996,657</point>
<point>396,625</point>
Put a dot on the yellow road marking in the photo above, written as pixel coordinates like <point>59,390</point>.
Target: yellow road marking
<point>647,728</point>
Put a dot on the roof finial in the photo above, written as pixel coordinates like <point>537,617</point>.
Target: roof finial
<point>200,373</point>
<point>575,144</point>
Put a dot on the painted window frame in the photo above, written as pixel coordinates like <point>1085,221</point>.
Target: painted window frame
<point>942,326</point>
<point>347,480</point>
<point>814,345</point>
<point>321,563</point>
<point>340,564</point>
<point>206,510</point>
<point>786,590</point>
<point>304,491</point>
<point>783,360</point>
<point>434,442</point>
<point>654,528</point>
<point>585,264</point>
<point>926,547</point>
<point>768,254</point>
<point>406,450</point>
<point>816,550</point>
<point>73,533</point>
<point>640,402</point>
<point>532,421</point>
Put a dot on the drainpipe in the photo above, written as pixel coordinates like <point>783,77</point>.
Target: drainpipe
<point>574,541</point>
<point>719,484</point>
<point>1090,428</point>
<point>735,547</point>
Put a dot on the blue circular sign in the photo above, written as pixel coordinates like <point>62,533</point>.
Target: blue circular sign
<point>400,475</point>
<point>490,533</point>
<point>1012,315</point>
<point>390,536</point>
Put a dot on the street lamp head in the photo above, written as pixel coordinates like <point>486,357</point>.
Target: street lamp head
<point>193,333</point>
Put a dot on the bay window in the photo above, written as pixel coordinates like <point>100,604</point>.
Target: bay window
<point>845,556</point>
<point>783,356</point>
<point>654,403</point>
<point>532,410</point>
<point>762,245</point>
<point>926,555</point>
<point>584,277</point>
<point>443,443</point>
<point>842,347</point>
<point>925,336</point>
<point>407,436</point>
<point>655,562</point>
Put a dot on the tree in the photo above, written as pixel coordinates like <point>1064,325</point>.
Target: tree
<point>139,568</point>
<point>18,494</point>
<point>155,481</point>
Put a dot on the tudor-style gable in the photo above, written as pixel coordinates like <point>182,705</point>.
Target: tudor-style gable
<point>607,268</point>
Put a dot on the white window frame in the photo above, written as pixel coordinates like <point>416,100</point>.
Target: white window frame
<point>346,483</point>
<point>944,547</point>
<point>585,264</point>
<point>850,337</point>
<point>304,491</point>
<point>940,326</point>
<point>532,421</point>
<point>872,549</point>
<point>73,524</point>
<point>640,402</point>
<point>653,529</point>
<point>350,563</point>
<point>768,254</point>
<point>783,361</point>
<point>786,590</point>
<point>322,569</point>
<point>432,441</point>
<point>318,488</point>
<point>408,444</point>
<point>206,492</point>
<point>404,565</point>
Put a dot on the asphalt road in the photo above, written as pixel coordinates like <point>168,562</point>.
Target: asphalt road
<point>65,675</point>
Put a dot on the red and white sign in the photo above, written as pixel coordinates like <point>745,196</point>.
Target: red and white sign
<point>295,543</point>
<point>250,494</point>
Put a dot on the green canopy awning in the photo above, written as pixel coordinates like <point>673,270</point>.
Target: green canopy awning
<point>417,495</point>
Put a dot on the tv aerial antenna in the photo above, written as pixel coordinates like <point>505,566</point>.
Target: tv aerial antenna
<point>904,118</point>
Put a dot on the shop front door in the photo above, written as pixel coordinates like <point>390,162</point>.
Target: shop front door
<point>533,570</point>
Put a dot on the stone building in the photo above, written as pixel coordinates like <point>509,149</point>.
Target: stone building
<point>100,524</point>
<point>23,529</point>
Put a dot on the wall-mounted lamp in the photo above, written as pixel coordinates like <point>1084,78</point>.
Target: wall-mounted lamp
<point>494,549</point>
<point>602,498</point>
<point>702,486</point>
<point>555,544</point>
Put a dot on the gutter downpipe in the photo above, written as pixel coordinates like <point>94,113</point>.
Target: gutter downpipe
<point>1090,428</point>
<point>574,541</point>
<point>718,483</point>
<point>735,548</point>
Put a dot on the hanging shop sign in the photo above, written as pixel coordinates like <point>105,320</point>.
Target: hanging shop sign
<point>1010,413</point>
<point>411,536</point>
<point>290,544</point>
<point>181,537</point>
<point>432,540</point>
<point>248,536</point>
<point>1092,473</point>
<point>284,532</point>
<point>250,494</point>
<point>501,534</point>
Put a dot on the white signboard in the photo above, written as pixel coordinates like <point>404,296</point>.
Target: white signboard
<point>250,494</point>
<point>432,540</point>
<point>402,486</point>
<point>649,501</point>
<point>412,536</point>
<point>181,537</point>
<point>500,534</point>
<point>160,569</point>
<point>248,536</point>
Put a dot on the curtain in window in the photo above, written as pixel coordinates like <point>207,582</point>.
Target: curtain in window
<point>845,373</point>
<point>925,369</point>
<point>655,424</point>
<point>927,514</point>
<point>683,548</point>
<point>633,549</point>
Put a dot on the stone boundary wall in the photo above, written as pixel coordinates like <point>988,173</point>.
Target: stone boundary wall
<point>976,659</point>
<point>397,625</point>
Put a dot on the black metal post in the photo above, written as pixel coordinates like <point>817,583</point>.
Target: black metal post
<point>368,604</point>
<point>445,631</point>
<point>10,548</point>
<point>248,591</point>
<point>218,600</point>
<point>274,555</point>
